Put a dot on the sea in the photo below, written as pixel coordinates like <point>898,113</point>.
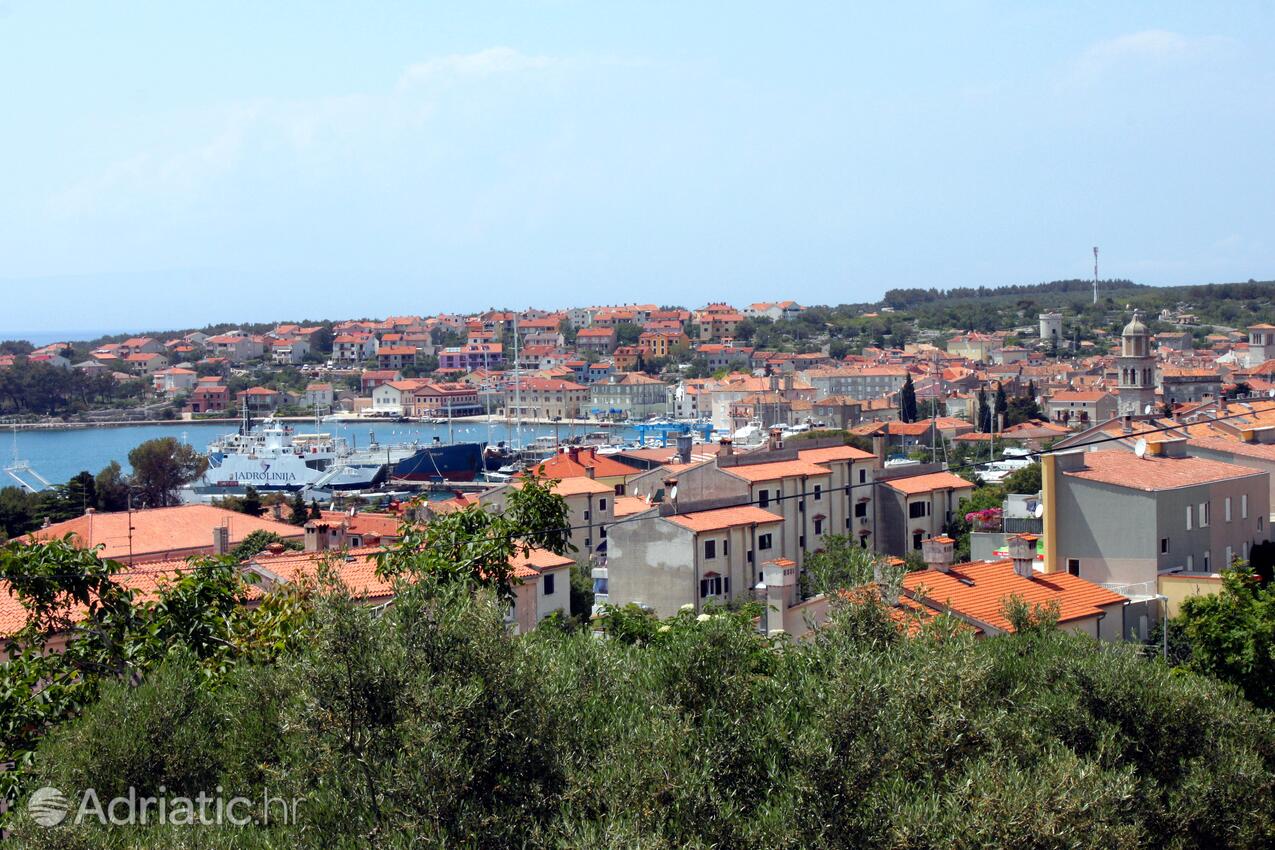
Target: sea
<point>57,455</point>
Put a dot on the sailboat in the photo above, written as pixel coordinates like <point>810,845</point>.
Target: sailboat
<point>22,472</point>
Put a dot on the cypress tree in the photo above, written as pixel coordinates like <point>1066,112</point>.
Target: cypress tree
<point>907,401</point>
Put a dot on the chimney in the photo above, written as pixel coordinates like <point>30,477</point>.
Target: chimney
<point>589,472</point>
<point>574,453</point>
<point>878,449</point>
<point>316,536</point>
<point>275,548</point>
<point>670,490</point>
<point>683,448</point>
<point>278,511</point>
<point>788,382</point>
<point>221,540</point>
<point>1126,425</point>
<point>938,553</point>
<point>780,577</point>
<point>1022,551</point>
<point>88,511</point>
<point>774,383</point>
<point>888,589</point>
<point>776,439</point>
<point>727,447</point>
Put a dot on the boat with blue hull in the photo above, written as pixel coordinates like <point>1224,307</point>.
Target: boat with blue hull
<point>439,462</point>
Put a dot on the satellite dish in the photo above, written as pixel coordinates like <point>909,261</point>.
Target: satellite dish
<point>672,494</point>
<point>1147,409</point>
<point>1270,393</point>
<point>1040,511</point>
<point>1140,447</point>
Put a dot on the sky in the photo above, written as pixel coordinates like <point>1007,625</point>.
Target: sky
<point>176,164</point>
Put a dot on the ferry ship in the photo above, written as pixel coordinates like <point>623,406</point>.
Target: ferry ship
<point>268,456</point>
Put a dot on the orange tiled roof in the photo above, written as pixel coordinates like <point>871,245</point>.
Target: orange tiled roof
<point>779,469</point>
<point>719,518</point>
<point>979,591</point>
<point>565,465</point>
<point>926,483</point>
<point>834,453</point>
<point>1152,473</point>
<point>157,532</point>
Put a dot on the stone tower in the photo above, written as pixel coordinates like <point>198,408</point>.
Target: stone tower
<point>1136,389</point>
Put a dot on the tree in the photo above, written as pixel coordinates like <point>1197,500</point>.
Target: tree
<point>321,341</point>
<point>111,487</point>
<point>257,542</point>
<point>907,401</point>
<point>300,514</point>
<point>475,546</point>
<point>163,466</point>
<point>1232,634</point>
<point>1026,480</point>
<point>983,412</point>
<point>315,513</point>
<point>627,333</point>
<point>842,564</point>
<point>250,502</point>
<point>1002,404</point>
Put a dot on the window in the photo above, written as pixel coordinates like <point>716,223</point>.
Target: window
<point>1204,514</point>
<point>1226,508</point>
<point>763,541</point>
<point>801,542</point>
<point>917,510</point>
<point>818,492</point>
<point>586,516</point>
<point>619,489</point>
<point>861,509</point>
<point>863,476</point>
<point>1164,545</point>
<point>1073,567</point>
<point>917,536</point>
<point>1206,560</point>
<point>710,549</point>
<point>602,532</point>
<point>710,586</point>
<point>1244,506</point>
<point>818,526</point>
<point>548,583</point>
<point>763,498</point>
<point>602,504</point>
<point>1188,517</point>
<point>726,547</point>
<point>1190,562</point>
<point>1230,556</point>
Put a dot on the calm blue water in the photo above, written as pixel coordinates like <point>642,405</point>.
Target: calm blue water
<point>58,455</point>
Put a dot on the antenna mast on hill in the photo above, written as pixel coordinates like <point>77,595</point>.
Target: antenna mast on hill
<point>1095,274</point>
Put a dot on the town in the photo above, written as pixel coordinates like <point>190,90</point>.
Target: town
<point>1004,457</point>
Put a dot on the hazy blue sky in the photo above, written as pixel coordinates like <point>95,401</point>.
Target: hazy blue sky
<point>173,163</point>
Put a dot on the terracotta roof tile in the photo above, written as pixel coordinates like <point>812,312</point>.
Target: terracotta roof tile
<point>719,518</point>
<point>159,533</point>
<point>979,591</point>
<point>1153,473</point>
<point>914,484</point>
